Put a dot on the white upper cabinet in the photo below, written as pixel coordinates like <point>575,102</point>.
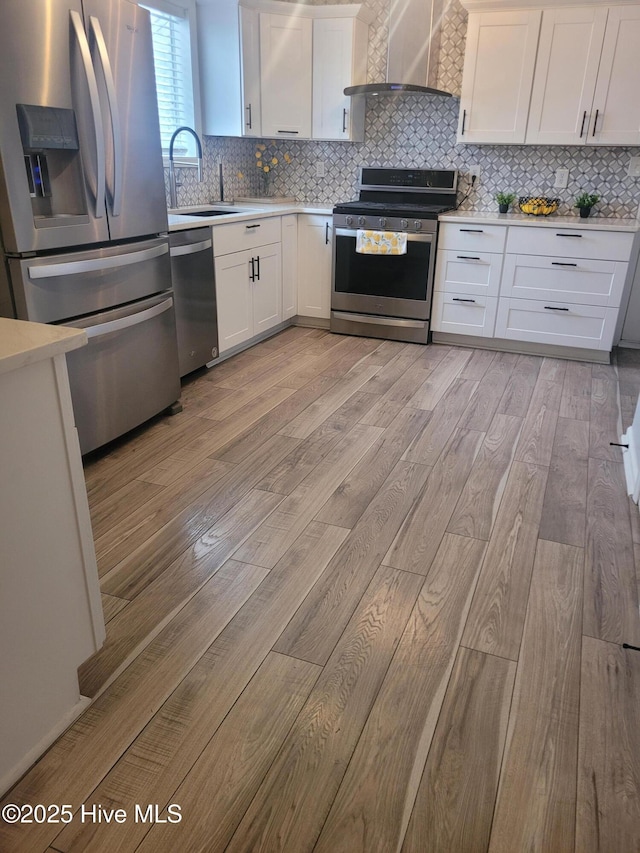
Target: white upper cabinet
<point>578,85</point>
<point>285,74</point>
<point>587,74</point>
<point>250,51</point>
<point>229,58</point>
<point>339,60</point>
<point>565,76</point>
<point>498,75</point>
<point>616,103</point>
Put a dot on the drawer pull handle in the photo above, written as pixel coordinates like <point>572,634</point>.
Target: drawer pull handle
<point>457,299</point>
<point>469,258</point>
<point>294,132</point>
<point>252,226</point>
<point>554,308</point>
<point>558,234</point>
<point>472,230</point>
<point>562,264</point>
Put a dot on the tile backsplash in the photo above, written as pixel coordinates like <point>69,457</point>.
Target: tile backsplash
<point>414,131</point>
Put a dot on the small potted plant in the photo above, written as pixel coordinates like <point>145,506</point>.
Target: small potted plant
<point>585,202</point>
<point>504,200</point>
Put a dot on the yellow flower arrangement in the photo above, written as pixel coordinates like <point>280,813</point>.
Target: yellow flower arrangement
<point>266,161</point>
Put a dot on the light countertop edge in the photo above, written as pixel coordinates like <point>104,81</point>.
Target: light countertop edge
<point>23,343</point>
<point>182,221</point>
<point>599,223</point>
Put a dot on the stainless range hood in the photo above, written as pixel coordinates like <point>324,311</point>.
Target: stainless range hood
<point>414,50</point>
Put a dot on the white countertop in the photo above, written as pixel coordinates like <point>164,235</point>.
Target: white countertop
<point>240,213</point>
<point>23,343</point>
<point>600,223</point>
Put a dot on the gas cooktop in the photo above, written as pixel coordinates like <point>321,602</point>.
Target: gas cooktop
<point>403,193</point>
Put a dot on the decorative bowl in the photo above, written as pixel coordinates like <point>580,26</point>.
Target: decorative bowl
<point>538,205</point>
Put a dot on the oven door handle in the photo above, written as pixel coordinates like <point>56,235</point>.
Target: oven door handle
<point>411,237</point>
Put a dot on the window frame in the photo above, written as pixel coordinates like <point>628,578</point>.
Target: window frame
<point>185,9</point>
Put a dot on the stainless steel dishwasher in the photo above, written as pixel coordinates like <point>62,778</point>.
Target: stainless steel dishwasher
<point>194,293</point>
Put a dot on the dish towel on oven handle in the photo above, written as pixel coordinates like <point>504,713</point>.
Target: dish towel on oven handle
<point>381,242</point>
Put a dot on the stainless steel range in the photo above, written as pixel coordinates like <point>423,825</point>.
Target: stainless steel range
<point>389,295</point>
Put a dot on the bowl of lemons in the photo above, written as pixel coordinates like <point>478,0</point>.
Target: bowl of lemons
<point>538,205</point>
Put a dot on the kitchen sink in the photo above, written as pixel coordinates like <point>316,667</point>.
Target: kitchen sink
<point>208,213</point>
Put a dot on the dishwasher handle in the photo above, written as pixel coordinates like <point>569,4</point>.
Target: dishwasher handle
<point>190,248</point>
<point>130,320</point>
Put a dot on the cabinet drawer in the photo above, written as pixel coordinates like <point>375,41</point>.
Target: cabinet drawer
<point>472,237</point>
<point>569,242</point>
<point>561,323</point>
<point>464,315</point>
<point>580,281</point>
<point>463,272</point>
<point>231,237</point>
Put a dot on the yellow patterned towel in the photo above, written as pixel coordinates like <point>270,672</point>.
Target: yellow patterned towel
<point>381,242</point>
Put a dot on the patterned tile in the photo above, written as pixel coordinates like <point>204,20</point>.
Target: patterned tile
<point>419,130</point>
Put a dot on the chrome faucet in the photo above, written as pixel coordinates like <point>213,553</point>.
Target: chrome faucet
<point>173,183</point>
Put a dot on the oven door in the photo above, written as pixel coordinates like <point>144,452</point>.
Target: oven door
<point>387,285</point>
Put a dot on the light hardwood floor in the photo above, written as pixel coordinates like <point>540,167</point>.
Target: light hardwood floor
<point>363,596</point>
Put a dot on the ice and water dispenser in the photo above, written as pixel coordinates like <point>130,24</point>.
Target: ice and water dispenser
<point>53,163</point>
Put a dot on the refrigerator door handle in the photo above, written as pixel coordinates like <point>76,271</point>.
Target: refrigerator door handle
<point>126,322</point>
<point>116,132</point>
<point>94,97</point>
<point>72,267</point>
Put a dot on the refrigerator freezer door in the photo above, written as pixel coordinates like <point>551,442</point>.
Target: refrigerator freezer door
<point>59,287</point>
<point>122,51</point>
<point>44,62</point>
<point>128,372</point>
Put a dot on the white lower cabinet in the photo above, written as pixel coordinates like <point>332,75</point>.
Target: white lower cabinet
<point>561,285</point>
<point>249,292</point>
<point>559,323</point>
<point>315,239</point>
<point>289,265</point>
<point>461,314</point>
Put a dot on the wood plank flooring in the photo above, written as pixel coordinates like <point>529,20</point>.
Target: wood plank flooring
<point>363,596</point>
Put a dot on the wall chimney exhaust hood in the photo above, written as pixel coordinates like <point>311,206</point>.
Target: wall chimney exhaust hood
<point>414,50</point>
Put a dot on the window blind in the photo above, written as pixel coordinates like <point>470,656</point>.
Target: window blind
<point>174,85</point>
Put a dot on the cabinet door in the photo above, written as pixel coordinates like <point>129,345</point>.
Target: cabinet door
<point>565,75</point>
<point>338,62</point>
<point>498,74</point>
<point>285,68</point>
<point>235,319</point>
<point>250,51</point>
<point>266,288</point>
<point>289,265</point>
<point>616,105</point>
<point>314,265</point>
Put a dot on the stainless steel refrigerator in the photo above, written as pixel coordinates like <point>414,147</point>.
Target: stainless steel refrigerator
<point>83,219</point>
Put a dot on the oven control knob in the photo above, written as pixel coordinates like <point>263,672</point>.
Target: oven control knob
<point>361,221</point>
<point>404,223</point>
<point>383,221</point>
<point>417,224</point>
<point>349,220</point>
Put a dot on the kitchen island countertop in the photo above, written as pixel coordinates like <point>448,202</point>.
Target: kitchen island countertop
<point>600,223</point>
<point>23,343</point>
